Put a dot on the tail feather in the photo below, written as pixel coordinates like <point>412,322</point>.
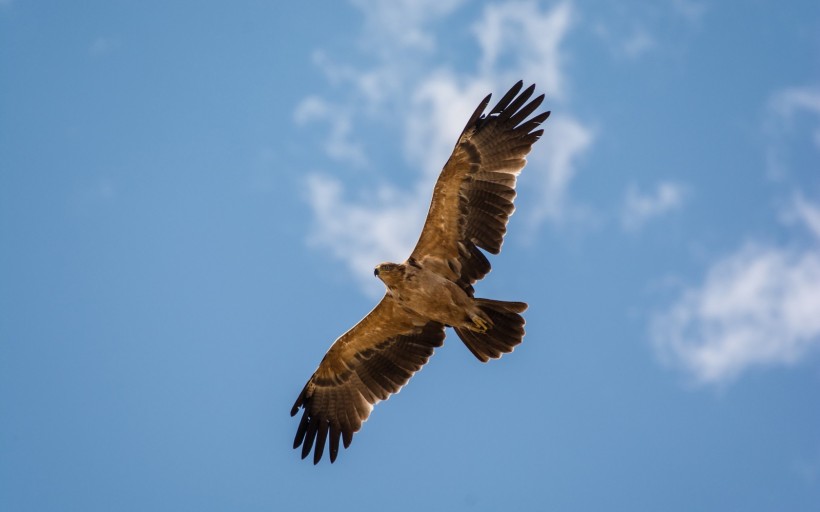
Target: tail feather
<point>506,332</point>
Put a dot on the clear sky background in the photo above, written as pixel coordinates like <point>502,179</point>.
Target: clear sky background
<point>193,196</point>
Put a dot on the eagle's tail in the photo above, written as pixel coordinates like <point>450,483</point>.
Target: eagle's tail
<point>506,331</point>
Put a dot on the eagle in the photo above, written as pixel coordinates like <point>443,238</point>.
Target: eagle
<point>433,289</point>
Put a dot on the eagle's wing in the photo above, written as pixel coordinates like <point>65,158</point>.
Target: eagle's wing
<point>473,197</point>
<point>367,364</point>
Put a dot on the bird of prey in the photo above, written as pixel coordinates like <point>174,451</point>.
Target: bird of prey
<point>433,289</point>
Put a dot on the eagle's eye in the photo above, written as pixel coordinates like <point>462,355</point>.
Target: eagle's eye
<point>376,271</point>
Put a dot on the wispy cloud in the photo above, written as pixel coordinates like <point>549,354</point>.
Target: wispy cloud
<point>442,103</point>
<point>756,307</point>
<point>392,24</point>
<point>639,208</point>
<point>789,103</point>
<point>103,46</point>
<point>516,40</point>
<point>568,140</point>
<point>632,44</point>
<point>807,213</point>
<point>806,466</point>
<point>692,10</point>
<point>339,144</point>
<point>638,43</point>
<point>793,99</point>
<point>787,108</point>
<point>520,39</point>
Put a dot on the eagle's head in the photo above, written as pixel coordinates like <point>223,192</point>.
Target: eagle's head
<point>389,273</point>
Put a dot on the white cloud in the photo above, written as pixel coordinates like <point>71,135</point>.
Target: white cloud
<point>756,307</point>
<point>431,103</point>
<point>364,233</point>
<point>639,208</point>
<point>339,144</point>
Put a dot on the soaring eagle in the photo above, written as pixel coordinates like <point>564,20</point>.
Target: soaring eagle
<point>433,289</point>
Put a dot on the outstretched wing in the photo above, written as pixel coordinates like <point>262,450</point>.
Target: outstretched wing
<point>365,365</point>
<point>473,197</point>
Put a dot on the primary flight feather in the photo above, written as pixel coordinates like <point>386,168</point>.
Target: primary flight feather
<point>433,289</point>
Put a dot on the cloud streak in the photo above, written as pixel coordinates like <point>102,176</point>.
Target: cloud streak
<point>639,208</point>
<point>787,108</point>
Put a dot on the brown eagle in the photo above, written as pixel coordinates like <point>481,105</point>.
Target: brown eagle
<point>433,289</point>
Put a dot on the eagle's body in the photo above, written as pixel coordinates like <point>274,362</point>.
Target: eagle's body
<point>433,289</point>
<point>428,295</point>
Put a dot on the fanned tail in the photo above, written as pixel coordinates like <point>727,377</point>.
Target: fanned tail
<point>506,332</point>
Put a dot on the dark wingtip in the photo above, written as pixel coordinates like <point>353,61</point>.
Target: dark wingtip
<point>517,87</point>
<point>310,437</point>
<point>477,114</point>
<point>507,98</point>
<point>335,435</point>
<point>300,431</point>
<point>321,438</point>
<point>299,401</point>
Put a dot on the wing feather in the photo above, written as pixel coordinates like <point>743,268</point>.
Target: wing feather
<point>370,362</point>
<point>473,197</point>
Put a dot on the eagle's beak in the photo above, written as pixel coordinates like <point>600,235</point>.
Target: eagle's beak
<point>376,271</point>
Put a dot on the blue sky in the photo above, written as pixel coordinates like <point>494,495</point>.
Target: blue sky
<point>193,196</point>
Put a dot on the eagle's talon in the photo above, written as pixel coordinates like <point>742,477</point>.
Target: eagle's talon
<point>480,325</point>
